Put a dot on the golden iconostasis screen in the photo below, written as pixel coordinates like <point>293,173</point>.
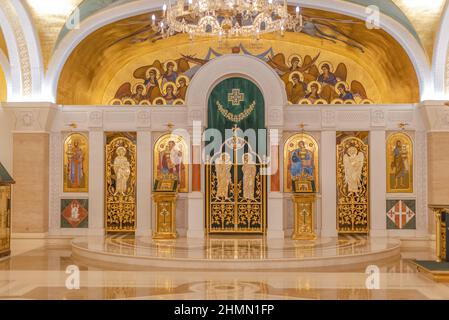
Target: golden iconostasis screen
<point>353,182</point>
<point>121,182</point>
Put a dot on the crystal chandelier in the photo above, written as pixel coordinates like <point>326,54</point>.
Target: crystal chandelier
<point>227,18</point>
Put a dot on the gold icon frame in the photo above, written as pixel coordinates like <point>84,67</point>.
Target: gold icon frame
<point>407,142</point>
<point>289,146</point>
<point>84,146</point>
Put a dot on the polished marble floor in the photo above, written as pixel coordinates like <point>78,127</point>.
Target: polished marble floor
<point>241,252</point>
<point>37,270</point>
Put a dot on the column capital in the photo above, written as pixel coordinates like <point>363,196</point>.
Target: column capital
<point>436,115</point>
<point>31,117</point>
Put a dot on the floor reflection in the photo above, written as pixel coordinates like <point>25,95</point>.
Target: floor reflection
<point>39,273</point>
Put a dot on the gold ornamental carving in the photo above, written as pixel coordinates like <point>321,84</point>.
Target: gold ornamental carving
<point>440,233</point>
<point>236,190</point>
<point>304,216</point>
<point>120,188</point>
<point>165,205</point>
<point>352,186</point>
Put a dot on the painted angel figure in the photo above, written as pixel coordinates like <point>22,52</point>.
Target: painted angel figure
<point>122,170</point>
<point>353,165</point>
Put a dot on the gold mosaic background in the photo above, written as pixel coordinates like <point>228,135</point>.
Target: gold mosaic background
<point>96,69</point>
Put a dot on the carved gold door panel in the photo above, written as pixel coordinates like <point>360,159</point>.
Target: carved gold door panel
<point>352,186</point>
<point>236,190</point>
<point>120,182</point>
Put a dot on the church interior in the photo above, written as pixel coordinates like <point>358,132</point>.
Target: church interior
<point>230,149</point>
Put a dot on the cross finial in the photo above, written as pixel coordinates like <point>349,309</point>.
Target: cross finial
<point>302,126</point>
<point>403,125</point>
<point>170,126</point>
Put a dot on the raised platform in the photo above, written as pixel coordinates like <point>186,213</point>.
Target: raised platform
<point>233,253</point>
<point>437,271</point>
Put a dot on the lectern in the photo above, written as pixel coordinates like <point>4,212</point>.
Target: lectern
<point>5,211</point>
<point>304,203</point>
<point>165,194</point>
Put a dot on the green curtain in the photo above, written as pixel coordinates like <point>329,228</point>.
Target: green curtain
<point>253,118</point>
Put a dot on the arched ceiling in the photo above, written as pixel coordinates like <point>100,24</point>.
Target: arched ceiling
<point>94,64</point>
<point>3,46</point>
<point>50,16</point>
<point>3,87</point>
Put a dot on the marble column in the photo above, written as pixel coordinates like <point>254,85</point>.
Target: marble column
<point>328,184</point>
<point>31,191</point>
<point>377,178</point>
<point>96,181</point>
<point>144,183</point>
<point>195,199</point>
<point>275,207</point>
<point>30,123</point>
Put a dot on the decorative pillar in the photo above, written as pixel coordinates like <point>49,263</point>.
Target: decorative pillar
<point>275,183</point>
<point>31,124</point>
<point>328,184</point>
<point>378,181</point>
<point>96,181</point>
<point>436,116</point>
<point>144,183</point>
<point>275,212</point>
<point>195,199</point>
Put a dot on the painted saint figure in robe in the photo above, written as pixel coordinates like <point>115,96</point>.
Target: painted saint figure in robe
<point>296,88</point>
<point>344,93</point>
<point>76,163</point>
<point>223,167</point>
<point>138,95</point>
<point>327,77</point>
<point>314,92</point>
<point>171,162</point>
<point>302,164</point>
<point>152,85</point>
<point>170,74</point>
<point>249,176</point>
<point>122,170</point>
<point>169,92</point>
<point>76,159</point>
<point>400,165</point>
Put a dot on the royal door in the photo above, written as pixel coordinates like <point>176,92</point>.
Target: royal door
<point>236,189</point>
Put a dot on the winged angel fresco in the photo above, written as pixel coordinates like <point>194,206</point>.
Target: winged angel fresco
<point>308,82</point>
<point>353,165</point>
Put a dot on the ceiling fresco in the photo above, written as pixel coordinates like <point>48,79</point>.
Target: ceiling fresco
<point>392,8</point>
<point>50,17</point>
<point>100,65</point>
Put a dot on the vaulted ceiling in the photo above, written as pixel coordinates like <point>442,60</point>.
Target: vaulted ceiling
<point>48,17</point>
